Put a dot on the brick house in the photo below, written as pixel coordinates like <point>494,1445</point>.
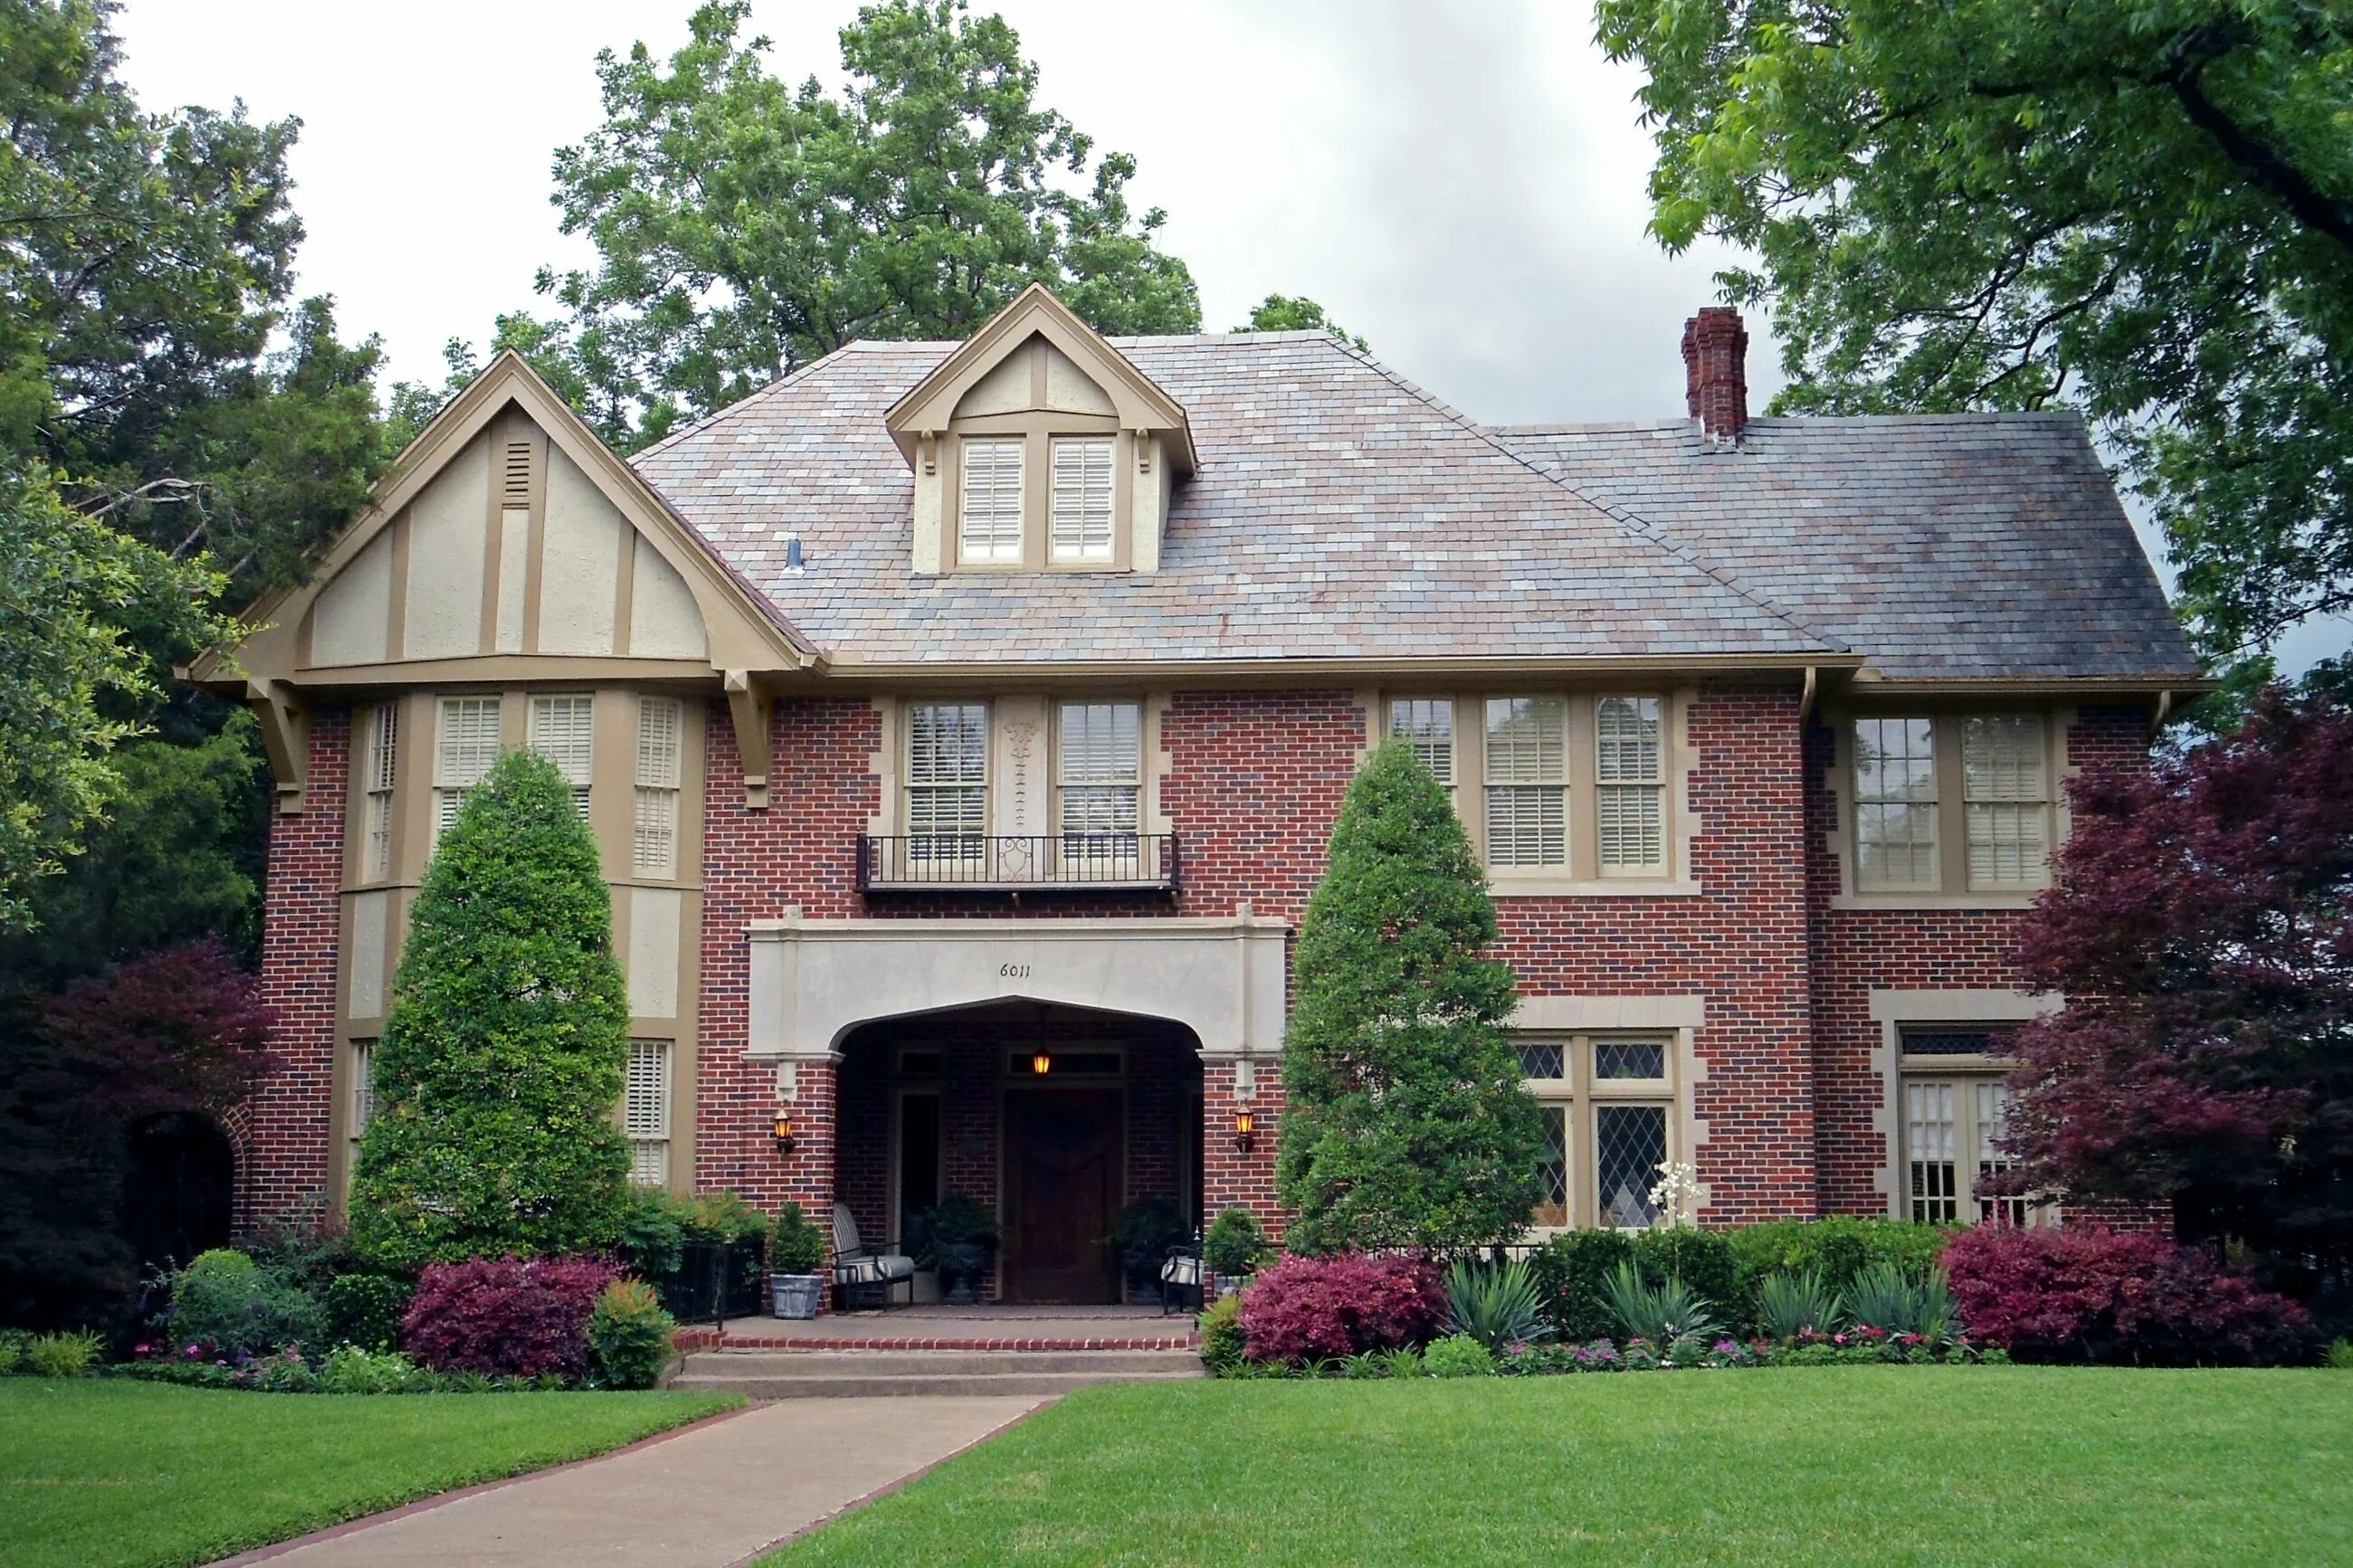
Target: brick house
<point>963,725</point>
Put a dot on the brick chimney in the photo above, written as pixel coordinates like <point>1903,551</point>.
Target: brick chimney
<point>1715,371</point>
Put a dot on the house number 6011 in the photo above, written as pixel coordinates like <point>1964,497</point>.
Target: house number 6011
<point>1013,971</point>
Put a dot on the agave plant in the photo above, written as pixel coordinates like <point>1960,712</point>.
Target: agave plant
<point>1789,1304</point>
<point>1884,1297</point>
<point>1660,1313</point>
<point>1496,1304</point>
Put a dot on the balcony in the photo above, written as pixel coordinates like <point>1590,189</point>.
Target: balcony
<point>1055,862</point>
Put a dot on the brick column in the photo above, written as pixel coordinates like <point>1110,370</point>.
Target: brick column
<point>1233,1177</point>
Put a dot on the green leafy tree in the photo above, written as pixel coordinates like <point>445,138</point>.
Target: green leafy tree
<point>1405,1121</point>
<point>500,1061</point>
<point>2140,207</point>
<point>745,227</point>
<point>1297,313</point>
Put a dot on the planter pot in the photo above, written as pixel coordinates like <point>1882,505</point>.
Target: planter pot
<point>796,1296</point>
<point>961,1265</point>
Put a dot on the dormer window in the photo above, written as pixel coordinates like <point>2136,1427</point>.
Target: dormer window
<point>1083,508</point>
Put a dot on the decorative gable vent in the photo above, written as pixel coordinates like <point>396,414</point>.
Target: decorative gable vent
<point>515,475</point>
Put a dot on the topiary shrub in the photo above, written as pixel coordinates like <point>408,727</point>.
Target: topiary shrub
<point>795,1245</point>
<point>506,1316</point>
<point>501,1059</point>
<point>1406,1123</point>
<point>365,1310</point>
<point>2080,1293</point>
<point>1307,1309</point>
<point>226,1301</point>
<point>629,1335</point>
<point>1235,1246</point>
<point>1572,1274</point>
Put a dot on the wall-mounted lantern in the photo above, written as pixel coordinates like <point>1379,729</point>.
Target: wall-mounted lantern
<point>1245,1129</point>
<point>784,1131</point>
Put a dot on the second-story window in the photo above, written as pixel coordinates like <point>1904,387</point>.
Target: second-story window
<point>2006,800</point>
<point>383,769</point>
<point>466,749</point>
<point>1426,724</point>
<point>563,730</point>
<point>654,838</point>
<point>1082,509</point>
<point>1894,804</point>
<point>948,777</point>
<point>988,525</point>
<point>1098,784</point>
<point>1629,773</point>
<point>1527,781</point>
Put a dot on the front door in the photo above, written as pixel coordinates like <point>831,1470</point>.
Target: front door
<point>1062,1187</point>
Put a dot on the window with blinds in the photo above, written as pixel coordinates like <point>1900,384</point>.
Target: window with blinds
<point>654,844</point>
<point>1630,776</point>
<point>1081,528</point>
<point>947,779</point>
<point>1426,724</point>
<point>645,1113</point>
<point>382,768</point>
<point>1527,781</point>
<point>563,730</point>
<point>1894,804</point>
<point>988,525</point>
<point>466,749</point>
<point>363,1092</point>
<point>2006,800</point>
<point>1099,768</point>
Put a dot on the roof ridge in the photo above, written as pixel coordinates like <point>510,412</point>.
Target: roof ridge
<point>1627,521</point>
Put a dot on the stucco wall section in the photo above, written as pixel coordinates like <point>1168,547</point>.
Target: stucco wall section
<point>350,622</point>
<point>664,621</point>
<point>447,541</point>
<point>580,562</point>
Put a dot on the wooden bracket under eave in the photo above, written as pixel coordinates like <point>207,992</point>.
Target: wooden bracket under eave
<point>286,738</point>
<point>750,712</point>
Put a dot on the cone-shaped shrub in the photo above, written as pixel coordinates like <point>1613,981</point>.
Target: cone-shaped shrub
<point>1406,1123</point>
<point>501,1062</point>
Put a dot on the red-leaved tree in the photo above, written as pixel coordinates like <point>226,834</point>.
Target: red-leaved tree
<point>2201,928</point>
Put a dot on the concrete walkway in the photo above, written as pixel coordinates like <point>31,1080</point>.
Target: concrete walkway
<point>714,1494</point>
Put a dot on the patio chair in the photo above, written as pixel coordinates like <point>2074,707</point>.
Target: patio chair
<point>1181,1271</point>
<point>861,1272</point>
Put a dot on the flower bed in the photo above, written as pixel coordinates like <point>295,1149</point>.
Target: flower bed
<point>348,1370</point>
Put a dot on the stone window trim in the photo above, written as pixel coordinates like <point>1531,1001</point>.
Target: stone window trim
<point>1950,716</point>
<point>1583,875</point>
<point>1038,433</point>
<point>1577,1023</point>
<point>889,764</point>
<point>1897,1013</point>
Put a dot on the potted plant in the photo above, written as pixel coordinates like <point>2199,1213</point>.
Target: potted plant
<point>958,1237</point>
<point>796,1254</point>
<point>1234,1248</point>
<point>1141,1235</point>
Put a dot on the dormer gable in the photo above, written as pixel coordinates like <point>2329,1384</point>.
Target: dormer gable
<point>1037,447</point>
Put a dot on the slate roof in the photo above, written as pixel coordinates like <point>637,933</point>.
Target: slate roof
<point>1339,511</point>
<point>1938,545</point>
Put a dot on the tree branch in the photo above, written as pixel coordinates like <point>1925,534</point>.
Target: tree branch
<point>2305,202</point>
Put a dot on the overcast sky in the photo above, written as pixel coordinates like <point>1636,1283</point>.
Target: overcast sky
<point>1460,184</point>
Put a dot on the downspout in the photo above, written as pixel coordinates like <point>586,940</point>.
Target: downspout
<point>1806,699</point>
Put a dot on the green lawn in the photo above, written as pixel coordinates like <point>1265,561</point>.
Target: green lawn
<point>104,1472</point>
<point>1976,1465</point>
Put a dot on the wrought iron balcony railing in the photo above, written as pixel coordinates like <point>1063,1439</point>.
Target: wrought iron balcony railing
<point>972,862</point>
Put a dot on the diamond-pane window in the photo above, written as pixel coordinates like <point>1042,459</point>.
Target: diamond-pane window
<point>990,517</point>
<point>1082,500</point>
<point>1527,791</point>
<point>2003,784</point>
<point>1955,1042</point>
<point>1546,1060</point>
<point>1552,1169</point>
<point>1895,803</point>
<point>1630,1058</point>
<point>1630,1144</point>
<point>1628,774</point>
<point>645,1111</point>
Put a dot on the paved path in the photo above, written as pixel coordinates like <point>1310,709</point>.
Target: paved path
<point>714,1494</point>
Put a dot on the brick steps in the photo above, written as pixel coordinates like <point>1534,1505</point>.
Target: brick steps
<point>837,1374</point>
<point>1178,1338</point>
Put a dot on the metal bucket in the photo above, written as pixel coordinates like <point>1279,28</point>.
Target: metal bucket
<point>794,1295</point>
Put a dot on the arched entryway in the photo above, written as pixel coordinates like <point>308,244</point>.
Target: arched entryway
<point>179,1189</point>
<point>1053,1117</point>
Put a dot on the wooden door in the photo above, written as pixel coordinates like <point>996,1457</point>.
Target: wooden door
<point>1062,1188</point>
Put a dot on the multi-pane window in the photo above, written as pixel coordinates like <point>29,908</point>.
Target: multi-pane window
<point>645,1111</point>
<point>654,839</point>
<point>2004,789</point>
<point>1608,1106</point>
<point>563,730</point>
<point>1426,724</point>
<point>466,749</point>
<point>383,769</point>
<point>1630,776</point>
<point>1527,781</point>
<point>947,778</point>
<point>1896,804</point>
<point>363,1091</point>
<point>1099,780</point>
<point>1081,502</point>
<point>988,524</point>
<point>1955,1109</point>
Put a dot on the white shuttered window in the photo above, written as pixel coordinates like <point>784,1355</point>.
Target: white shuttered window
<point>654,851</point>
<point>362,1101</point>
<point>563,730</point>
<point>645,1113</point>
<point>1099,779</point>
<point>467,747</point>
<point>1628,773</point>
<point>990,516</point>
<point>2008,799</point>
<point>947,776</point>
<point>382,768</point>
<point>1082,499</point>
<point>1426,724</point>
<point>1527,787</point>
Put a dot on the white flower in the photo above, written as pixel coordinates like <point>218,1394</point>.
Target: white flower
<point>1676,1195</point>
